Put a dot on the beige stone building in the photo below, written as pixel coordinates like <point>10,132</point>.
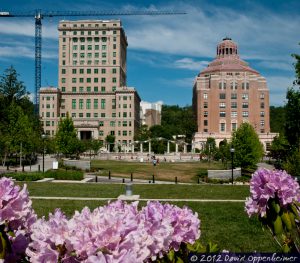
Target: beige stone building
<point>92,84</point>
<point>227,93</point>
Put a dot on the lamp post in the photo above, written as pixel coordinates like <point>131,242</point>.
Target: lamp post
<point>43,138</point>
<point>232,153</point>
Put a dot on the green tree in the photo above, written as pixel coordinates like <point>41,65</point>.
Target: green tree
<point>292,164</point>
<point>176,120</point>
<point>110,139</point>
<point>297,68</point>
<point>224,152</point>
<point>143,134</point>
<point>279,150</point>
<point>248,149</point>
<point>210,149</point>
<point>292,124</point>
<point>11,88</point>
<point>16,110</point>
<point>96,145</point>
<point>17,135</point>
<point>66,138</point>
<point>277,119</point>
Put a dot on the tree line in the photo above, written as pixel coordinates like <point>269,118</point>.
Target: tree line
<point>285,148</point>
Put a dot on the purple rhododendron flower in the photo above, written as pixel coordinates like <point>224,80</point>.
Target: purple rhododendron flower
<point>266,184</point>
<point>117,232</point>
<point>16,217</point>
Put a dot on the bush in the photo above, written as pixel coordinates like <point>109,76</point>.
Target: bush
<point>202,173</point>
<point>34,176</point>
<point>218,181</point>
<point>61,174</point>
<point>243,179</point>
<point>248,171</point>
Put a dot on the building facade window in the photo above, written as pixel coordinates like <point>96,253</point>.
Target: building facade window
<point>81,104</point>
<point>233,126</point>
<point>222,105</point>
<point>245,96</point>
<point>88,104</point>
<point>102,103</point>
<point>245,105</point>
<point>233,96</point>
<point>95,103</point>
<point>222,126</point>
<point>222,114</point>
<point>222,96</point>
<point>233,85</point>
<point>245,114</point>
<point>73,104</point>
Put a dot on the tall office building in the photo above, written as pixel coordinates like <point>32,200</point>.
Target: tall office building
<point>92,81</point>
<point>227,93</point>
<point>150,113</point>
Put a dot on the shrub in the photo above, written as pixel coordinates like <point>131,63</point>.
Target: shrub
<point>243,179</point>
<point>248,171</point>
<point>202,173</point>
<point>24,176</point>
<point>61,174</point>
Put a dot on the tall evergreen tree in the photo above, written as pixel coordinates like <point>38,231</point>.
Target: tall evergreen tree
<point>10,87</point>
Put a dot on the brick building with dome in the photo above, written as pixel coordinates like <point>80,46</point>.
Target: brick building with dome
<point>227,93</point>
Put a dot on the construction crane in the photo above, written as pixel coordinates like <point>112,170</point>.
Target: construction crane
<point>39,15</point>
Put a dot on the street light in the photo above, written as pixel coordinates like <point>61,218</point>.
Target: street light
<point>232,153</point>
<point>43,138</point>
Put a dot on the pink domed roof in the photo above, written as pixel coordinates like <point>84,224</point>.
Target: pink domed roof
<point>227,59</point>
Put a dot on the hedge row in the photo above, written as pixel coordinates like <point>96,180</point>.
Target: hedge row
<point>56,174</point>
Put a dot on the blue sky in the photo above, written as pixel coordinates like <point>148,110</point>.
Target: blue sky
<point>165,53</point>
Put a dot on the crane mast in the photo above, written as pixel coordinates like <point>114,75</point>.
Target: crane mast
<point>39,15</point>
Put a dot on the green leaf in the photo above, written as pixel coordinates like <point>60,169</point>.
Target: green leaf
<point>179,260</point>
<point>3,246</point>
<point>171,255</point>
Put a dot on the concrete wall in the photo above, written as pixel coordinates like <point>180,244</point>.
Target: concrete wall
<point>82,164</point>
<point>224,174</point>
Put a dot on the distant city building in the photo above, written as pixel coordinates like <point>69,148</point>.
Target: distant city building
<point>227,93</point>
<point>92,83</point>
<point>150,113</point>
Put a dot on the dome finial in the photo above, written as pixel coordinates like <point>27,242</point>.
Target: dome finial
<point>227,38</point>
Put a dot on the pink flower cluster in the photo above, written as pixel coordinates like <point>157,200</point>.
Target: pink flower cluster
<point>117,232</point>
<point>16,218</point>
<point>266,184</point>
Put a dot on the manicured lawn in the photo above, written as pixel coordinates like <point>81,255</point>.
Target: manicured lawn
<point>185,171</point>
<point>144,190</point>
<point>224,223</point>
